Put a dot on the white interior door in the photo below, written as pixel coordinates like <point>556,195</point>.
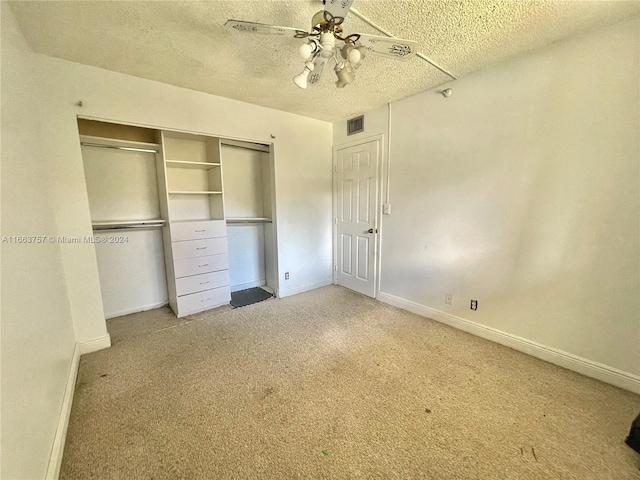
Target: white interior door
<point>357,200</point>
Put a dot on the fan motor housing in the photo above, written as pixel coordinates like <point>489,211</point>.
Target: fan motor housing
<point>318,20</point>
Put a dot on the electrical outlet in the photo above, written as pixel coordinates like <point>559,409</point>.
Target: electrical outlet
<point>286,275</point>
<point>474,304</point>
<point>386,209</point>
<point>448,299</point>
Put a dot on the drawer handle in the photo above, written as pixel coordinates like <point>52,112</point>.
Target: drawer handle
<point>204,283</point>
<point>206,299</point>
<point>205,265</point>
<point>200,231</point>
<point>201,248</point>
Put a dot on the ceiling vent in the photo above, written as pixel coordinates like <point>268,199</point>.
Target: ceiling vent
<point>355,125</point>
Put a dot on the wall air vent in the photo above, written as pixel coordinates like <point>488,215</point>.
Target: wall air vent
<point>355,125</point>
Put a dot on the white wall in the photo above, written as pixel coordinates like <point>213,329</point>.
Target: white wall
<point>131,271</point>
<point>37,329</point>
<point>122,185</point>
<point>45,191</point>
<point>245,197</point>
<point>242,172</point>
<point>522,191</point>
<point>247,264</point>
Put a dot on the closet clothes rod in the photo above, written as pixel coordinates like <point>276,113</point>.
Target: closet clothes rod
<point>116,147</point>
<point>133,226</point>
<point>239,221</point>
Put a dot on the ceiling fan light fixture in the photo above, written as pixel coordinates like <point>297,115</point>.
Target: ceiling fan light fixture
<point>361,49</point>
<point>305,50</point>
<point>345,77</point>
<point>302,79</point>
<point>317,19</point>
<point>328,43</point>
<point>321,47</point>
<point>309,48</point>
<point>354,56</point>
<point>344,51</point>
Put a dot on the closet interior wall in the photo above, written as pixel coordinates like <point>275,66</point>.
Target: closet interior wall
<point>248,204</point>
<point>123,190</point>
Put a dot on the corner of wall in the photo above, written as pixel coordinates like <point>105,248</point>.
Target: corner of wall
<point>95,344</point>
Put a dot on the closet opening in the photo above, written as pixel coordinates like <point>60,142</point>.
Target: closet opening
<point>248,206</point>
<point>180,219</point>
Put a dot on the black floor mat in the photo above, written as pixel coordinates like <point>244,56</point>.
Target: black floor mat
<point>242,298</point>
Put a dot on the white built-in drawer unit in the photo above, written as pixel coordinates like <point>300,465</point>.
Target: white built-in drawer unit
<point>200,265</point>
<point>198,283</point>
<point>198,302</point>
<point>198,230</point>
<point>199,248</point>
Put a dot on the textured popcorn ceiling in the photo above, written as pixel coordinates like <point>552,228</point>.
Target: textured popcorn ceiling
<point>185,43</point>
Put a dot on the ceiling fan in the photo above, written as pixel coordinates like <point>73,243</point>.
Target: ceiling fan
<point>321,46</point>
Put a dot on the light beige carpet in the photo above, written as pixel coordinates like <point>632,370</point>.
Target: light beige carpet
<point>330,384</point>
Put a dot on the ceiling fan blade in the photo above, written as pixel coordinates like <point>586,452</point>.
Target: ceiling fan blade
<point>338,8</point>
<point>389,47</point>
<point>318,67</point>
<point>261,28</point>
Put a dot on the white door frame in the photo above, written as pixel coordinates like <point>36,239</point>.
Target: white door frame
<point>378,243</point>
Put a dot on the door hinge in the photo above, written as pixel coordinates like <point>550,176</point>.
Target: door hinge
<point>335,220</point>
<point>335,168</point>
<point>335,268</point>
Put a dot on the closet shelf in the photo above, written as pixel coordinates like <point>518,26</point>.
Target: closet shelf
<point>191,192</point>
<point>183,164</point>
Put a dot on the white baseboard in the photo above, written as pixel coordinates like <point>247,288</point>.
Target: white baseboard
<point>55,460</point>
<point>244,286</point>
<point>95,344</point>
<point>287,292</point>
<point>602,372</point>
<point>80,348</point>
<point>136,310</point>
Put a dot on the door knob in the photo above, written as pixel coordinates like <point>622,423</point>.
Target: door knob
<point>371,230</point>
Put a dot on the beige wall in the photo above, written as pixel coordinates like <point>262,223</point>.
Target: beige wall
<point>522,191</point>
<point>51,295</point>
<point>37,330</point>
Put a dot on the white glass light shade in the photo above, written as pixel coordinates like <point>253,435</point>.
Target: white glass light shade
<point>305,50</point>
<point>344,51</point>
<point>354,55</point>
<point>302,80</point>
<point>344,76</point>
<point>362,49</point>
